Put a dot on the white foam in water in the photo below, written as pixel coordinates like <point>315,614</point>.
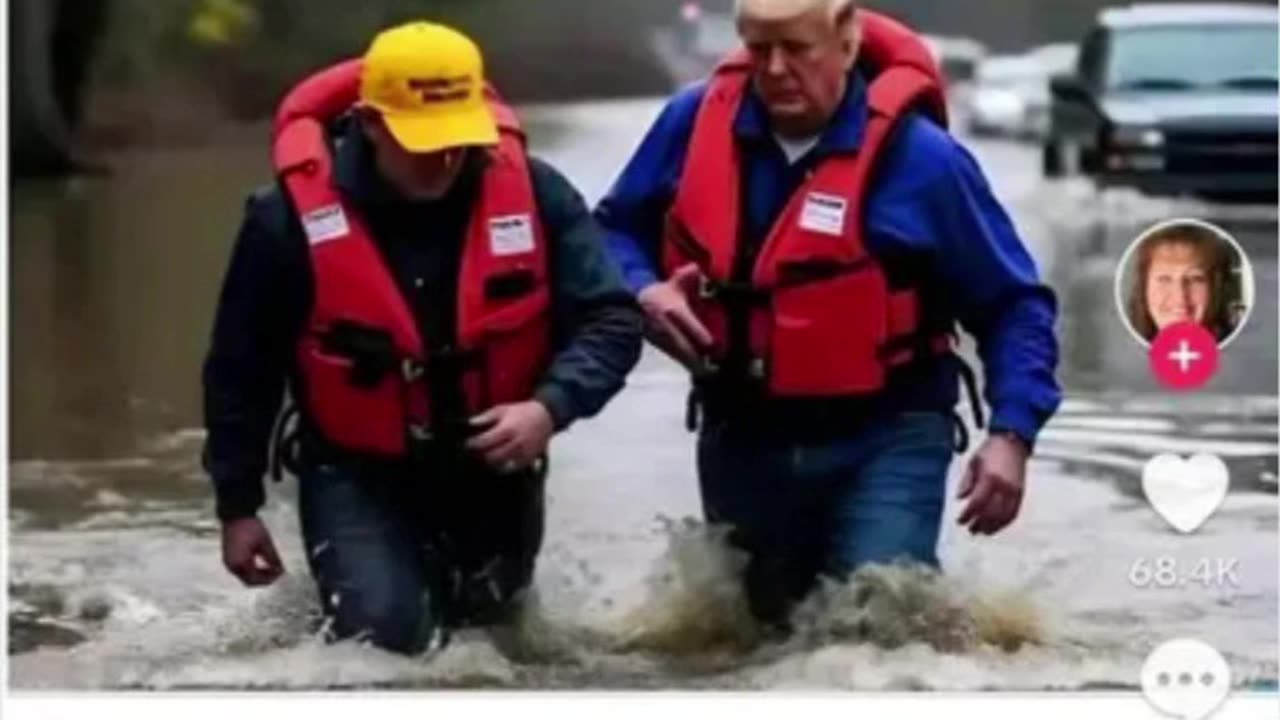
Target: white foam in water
<point>185,439</point>
<point>44,472</point>
<point>625,602</point>
<point>312,664</point>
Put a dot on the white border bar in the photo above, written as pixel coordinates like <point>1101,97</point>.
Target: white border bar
<point>614,706</point>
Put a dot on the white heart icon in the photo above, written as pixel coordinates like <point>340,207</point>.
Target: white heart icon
<point>1185,492</point>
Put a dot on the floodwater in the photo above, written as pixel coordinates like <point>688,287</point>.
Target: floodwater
<point>115,579</point>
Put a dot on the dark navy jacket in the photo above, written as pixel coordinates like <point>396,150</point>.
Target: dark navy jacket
<point>929,201</point>
<point>268,290</point>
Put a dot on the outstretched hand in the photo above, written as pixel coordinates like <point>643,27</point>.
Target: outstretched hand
<point>671,324</point>
<point>994,485</point>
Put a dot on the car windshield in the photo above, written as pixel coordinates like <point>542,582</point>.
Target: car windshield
<point>1195,57</point>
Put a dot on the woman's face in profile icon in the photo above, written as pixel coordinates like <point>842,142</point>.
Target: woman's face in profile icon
<point>1178,285</point>
<point>1180,272</point>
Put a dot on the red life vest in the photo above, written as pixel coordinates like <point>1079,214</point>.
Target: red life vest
<point>824,319</point>
<point>361,358</point>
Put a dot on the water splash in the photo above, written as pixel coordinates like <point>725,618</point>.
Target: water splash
<point>284,615</point>
<point>694,603</point>
<point>892,606</point>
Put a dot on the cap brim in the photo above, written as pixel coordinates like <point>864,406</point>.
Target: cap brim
<point>439,131</point>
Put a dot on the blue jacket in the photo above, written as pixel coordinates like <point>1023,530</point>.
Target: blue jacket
<point>929,200</point>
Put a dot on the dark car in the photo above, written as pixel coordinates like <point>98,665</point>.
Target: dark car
<point>1173,99</point>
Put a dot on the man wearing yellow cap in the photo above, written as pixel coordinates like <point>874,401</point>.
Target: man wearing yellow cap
<point>439,305</point>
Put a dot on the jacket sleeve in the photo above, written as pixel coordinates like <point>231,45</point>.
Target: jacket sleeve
<point>632,212</point>
<point>597,326</point>
<point>1003,302</point>
<point>248,361</point>
<point>948,209</point>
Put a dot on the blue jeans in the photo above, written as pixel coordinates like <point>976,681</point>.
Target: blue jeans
<point>801,509</point>
<point>399,558</point>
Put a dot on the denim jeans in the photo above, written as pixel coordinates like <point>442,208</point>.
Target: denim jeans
<point>399,558</point>
<point>805,508</point>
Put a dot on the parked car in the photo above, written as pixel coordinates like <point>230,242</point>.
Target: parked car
<point>1173,99</point>
<point>1050,60</point>
<point>957,57</point>
<point>690,46</point>
<point>705,34</point>
<point>1010,96</point>
<point>998,102</point>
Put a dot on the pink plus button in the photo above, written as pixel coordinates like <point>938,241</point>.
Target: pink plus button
<point>1184,356</point>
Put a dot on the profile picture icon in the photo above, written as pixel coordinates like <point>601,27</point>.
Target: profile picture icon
<point>1185,271</point>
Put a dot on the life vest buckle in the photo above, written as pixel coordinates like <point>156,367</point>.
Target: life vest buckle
<point>707,365</point>
<point>756,368</point>
<point>738,294</point>
<point>708,289</point>
<point>412,370</point>
<point>420,433</point>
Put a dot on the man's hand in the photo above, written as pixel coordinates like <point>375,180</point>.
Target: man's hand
<point>249,554</point>
<point>517,435</point>
<point>670,321</point>
<point>994,482</point>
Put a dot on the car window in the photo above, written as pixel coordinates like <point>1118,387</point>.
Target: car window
<point>1194,56</point>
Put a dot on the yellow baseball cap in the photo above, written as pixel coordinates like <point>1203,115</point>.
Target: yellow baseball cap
<point>427,82</point>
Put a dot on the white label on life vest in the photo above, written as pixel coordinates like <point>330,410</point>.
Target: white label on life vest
<point>511,235</point>
<point>823,213</point>
<point>326,223</point>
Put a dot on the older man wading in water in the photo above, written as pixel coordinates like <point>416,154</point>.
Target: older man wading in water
<point>804,235</point>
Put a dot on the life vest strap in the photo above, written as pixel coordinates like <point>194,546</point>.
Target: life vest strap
<point>285,446</point>
<point>799,273</point>
<point>790,275</point>
<point>689,246</point>
<point>923,342</point>
<point>372,351</point>
<point>970,381</point>
<point>732,294</point>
